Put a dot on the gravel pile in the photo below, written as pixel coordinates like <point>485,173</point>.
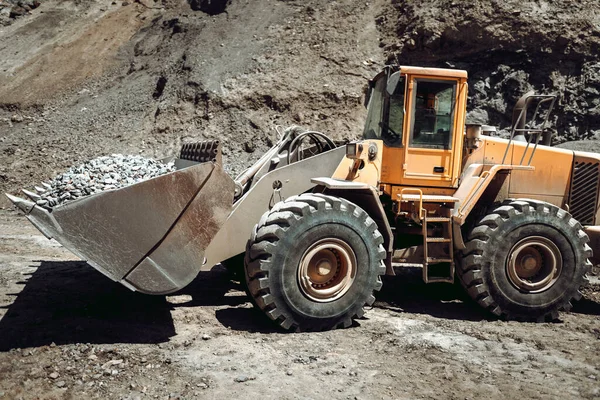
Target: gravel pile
<point>103,173</point>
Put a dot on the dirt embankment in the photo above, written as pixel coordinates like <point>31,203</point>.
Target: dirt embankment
<point>508,47</point>
<point>143,77</point>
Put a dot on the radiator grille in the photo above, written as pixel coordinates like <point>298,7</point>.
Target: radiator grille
<point>584,192</point>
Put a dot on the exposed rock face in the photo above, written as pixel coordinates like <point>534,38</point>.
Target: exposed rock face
<point>143,77</point>
<point>508,47</point>
<point>11,9</point>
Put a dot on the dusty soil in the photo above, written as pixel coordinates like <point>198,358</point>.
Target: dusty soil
<point>66,331</point>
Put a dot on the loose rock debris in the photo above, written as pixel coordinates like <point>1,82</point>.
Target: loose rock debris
<point>100,174</point>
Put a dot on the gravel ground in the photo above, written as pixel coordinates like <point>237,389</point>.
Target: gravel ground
<point>68,332</point>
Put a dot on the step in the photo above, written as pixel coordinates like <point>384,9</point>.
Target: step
<point>439,279</point>
<point>431,260</point>
<point>406,264</point>
<point>438,219</point>
<point>438,240</point>
<point>428,198</point>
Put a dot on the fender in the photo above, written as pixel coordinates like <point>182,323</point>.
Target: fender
<point>481,183</point>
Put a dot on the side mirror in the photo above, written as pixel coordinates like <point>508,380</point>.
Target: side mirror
<point>392,83</point>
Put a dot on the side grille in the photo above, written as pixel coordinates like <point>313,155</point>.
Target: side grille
<point>584,192</point>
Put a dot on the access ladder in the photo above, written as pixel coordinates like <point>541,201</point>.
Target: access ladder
<point>444,243</point>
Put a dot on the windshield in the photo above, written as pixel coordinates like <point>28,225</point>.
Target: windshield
<point>385,115</point>
<point>375,110</point>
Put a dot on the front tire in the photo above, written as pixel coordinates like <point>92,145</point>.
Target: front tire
<point>526,261</point>
<point>313,262</point>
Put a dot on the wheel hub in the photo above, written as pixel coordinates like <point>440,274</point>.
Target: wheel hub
<point>327,270</point>
<point>324,268</point>
<point>534,264</point>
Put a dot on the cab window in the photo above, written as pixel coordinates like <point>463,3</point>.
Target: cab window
<point>393,121</point>
<point>375,110</point>
<point>432,118</point>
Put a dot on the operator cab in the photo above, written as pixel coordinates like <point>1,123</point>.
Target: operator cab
<point>419,115</point>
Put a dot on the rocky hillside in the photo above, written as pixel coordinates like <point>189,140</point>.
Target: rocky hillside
<point>508,47</point>
<point>85,78</point>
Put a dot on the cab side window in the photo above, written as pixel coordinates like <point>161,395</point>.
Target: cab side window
<point>432,118</point>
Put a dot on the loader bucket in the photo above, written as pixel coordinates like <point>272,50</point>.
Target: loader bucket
<point>150,236</point>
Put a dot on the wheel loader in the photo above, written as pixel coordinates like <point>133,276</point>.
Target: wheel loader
<point>317,225</point>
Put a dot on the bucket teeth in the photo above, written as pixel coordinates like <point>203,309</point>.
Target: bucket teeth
<point>202,151</point>
<point>39,189</point>
<point>21,204</point>
<point>46,185</point>
<point>31,195</point>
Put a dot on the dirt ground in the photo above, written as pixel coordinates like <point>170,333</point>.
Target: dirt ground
<point>66,331</point>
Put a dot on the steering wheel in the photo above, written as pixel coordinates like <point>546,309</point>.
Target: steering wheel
<point>394,136</point>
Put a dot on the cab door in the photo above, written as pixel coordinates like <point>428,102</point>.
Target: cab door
<point>433,145</point>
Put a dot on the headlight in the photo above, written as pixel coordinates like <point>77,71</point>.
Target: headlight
<point>353,150</point>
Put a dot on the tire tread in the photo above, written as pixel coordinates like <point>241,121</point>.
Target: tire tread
<point>473,257</point>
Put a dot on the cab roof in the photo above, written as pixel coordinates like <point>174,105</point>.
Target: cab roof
<point>442,72</point>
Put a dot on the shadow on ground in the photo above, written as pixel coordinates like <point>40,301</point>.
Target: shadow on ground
<point>70,302</point>
<point>586,306</point>
<point>246,320</point>
<point>590,303</point>
<point>406,292</point>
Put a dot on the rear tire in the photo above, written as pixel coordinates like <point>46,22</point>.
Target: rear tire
<point>526,261</point>
<point>313,262</point>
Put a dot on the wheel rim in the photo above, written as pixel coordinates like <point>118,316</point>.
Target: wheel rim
<point>534,264</point>
<point>327,270</point>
